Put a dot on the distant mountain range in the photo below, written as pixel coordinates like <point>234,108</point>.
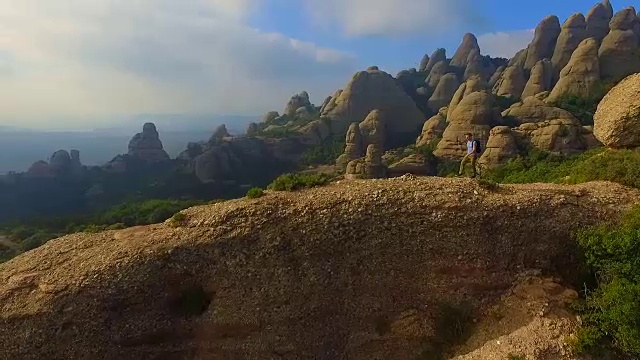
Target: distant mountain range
<point>19,148</point>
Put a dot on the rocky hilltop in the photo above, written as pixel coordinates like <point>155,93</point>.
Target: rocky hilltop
<point>352,270</point>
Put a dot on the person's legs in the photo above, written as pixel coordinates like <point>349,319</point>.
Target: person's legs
<point>474,157</point>
<point>463,162</point>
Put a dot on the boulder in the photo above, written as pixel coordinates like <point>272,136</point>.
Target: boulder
<point>544,41</point>
<point>444,92</point>
<point>617,119</point>
<point>534,110</point>
<point>432,130</point>
<point>501,147</point>
<point>437,56</point>
<point>496,76</point>
<point>146,146</point>
<point>252,129</point>
<point>315,132</point>
<point>332,103</point>
<point>270,117</point>
<point>423,63</point>
<point>60,161</point>
<point>353,146</point>
<point>560,136</point>
<point>471,85</point>
<point>598,20</point>
<point>416,164</point>
<point>374,129</point>
<point>369,167</point>
<point>477,113</point>
<point>460,58</point>
<point>573,32</point>
<point>437,72</point>
<point>296,102</point>
<point>326,102</point>
<point>581,76</point>
<point>371,90</point>
<point>540,79</point>
<point>511,83</point>
<point>619,53</point>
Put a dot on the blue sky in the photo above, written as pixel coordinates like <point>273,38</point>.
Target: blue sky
<point>84,62</point>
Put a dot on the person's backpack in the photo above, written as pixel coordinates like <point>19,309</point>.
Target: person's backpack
<point>478,147</point>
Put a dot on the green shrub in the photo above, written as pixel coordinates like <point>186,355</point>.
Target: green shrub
<point>178,219</point>
<point>583,108</point>
<point>611,311</point>
<point>292,182</point>
<point>323,154</point>
<point>255,193</point>
<point>621,166</point>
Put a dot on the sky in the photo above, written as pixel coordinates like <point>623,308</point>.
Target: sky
<point>83,63</point>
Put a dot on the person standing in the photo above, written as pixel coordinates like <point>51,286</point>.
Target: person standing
<point>473,149</point>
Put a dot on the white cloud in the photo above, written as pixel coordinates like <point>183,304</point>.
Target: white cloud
<point>393,17</point>
<point>505,44</point>
<point>79,58</point>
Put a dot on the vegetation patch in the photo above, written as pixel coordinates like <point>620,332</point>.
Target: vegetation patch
<point>294,181</point>
<point>323,154</point>
<point>453,323</point>
<point>255,193</point>
<point>583,108</point>
<point>178,219</point>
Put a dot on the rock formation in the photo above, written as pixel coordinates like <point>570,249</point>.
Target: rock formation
<point>619,53</point>
<point>476,113</point>
<point>415,164</point>
<point>519,58</point>
<point>315,132</point>
<point>40,169</point>
<point>220,133</point>
<point>540,79</point>
<point>374,129</point>
<point>533,110</point>
<point>437,56</point>
<point>598,20</point>
<point>369,167</point>
<point>496,76</point>
<point>470,86</point>
<point>370,90</point>
<point>332,103</point>
<point>460,58</point>
<point>270,116</point>
<point>544,41</point>
<point>511,83</point>
<point>423,63</point>
<point>581,76</point>
<point>433,129</point>
<point>252,129</point>
<point>60,161</point>
<point>617,120</point>
<point>573,32</point>
<point>146,146</point>
<point>353,146</point>
<point>437,72</point>
<point>444,92</point>
<point>560,136</point>
<point>501,147</point>
<point>296,102</point>
<point>326,102</point>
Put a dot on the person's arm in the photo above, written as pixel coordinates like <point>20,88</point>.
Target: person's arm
<point>475,142</point>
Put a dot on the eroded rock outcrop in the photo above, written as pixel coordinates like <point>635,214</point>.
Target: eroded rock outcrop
<point>437,56</point>
<point>598,20</point>
<point>501,147</point>
<point>416,164</point>
<point>540,79</point>
<point>573,32</point>
<point>511,83</point>
<point>369,167</point>
<point>533,110</point>
<point>470,86</point>
<point>296,102</point>
<point>374,129</point>
<point>433,129</point>
<point>581,76</point>
<point>460,58</point>
<point>617,120</point>
<point>496,76</point>
<point>146,146</point>
<point>424,62</point>
<point>270,117</point>
<point>619,54</point>
<point>476,114</point>
<point>444,92</point>
<point>353,146</point>
<point>544,41</point>
<point>370,90</point>
<point>437,72</point>
<point>560,136</point>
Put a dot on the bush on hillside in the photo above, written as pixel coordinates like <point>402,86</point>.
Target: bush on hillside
<point>611,311</point>
<point>583,108</point>
<point>323,154</point>
<point>621,166</point>
<point>255,193</point>
<point>293,182</point>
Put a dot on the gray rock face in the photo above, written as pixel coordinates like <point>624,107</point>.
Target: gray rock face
<point>296,102</point>
<point>544,41</point>
<point>146,146</point>
<point>619,52</point>
<point>540,79</point>
<point>437,56</point>
<point>468,45</point>
<point>574,30</point>
<point>598,20</point>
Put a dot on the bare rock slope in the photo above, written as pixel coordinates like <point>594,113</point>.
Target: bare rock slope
<point>352,270</point>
